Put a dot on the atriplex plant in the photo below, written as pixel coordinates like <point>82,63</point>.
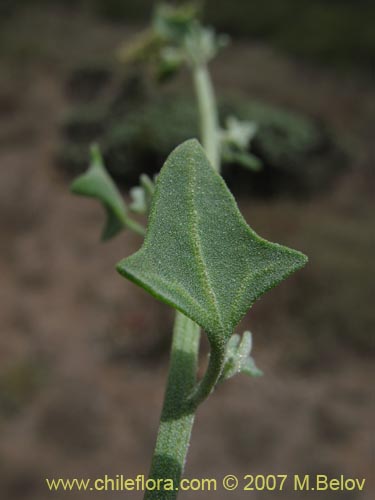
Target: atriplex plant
<point>199,255</point>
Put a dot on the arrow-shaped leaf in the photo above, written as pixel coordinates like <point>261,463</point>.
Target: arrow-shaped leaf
<point>199,254</point>
<point>96,183</point>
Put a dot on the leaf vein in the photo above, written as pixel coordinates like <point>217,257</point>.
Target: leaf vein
<point>197,246</point>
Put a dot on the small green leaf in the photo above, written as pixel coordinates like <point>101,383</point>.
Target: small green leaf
<point>238,132</point>
<point>232,345</point>
<point>202,44</point>
<point>138,204</point>
<point>249,367</point>
<point>235,140</point>
<point>246,160</point>
<point>199,255</point>
<point>148,185</point>
<point>142,195</point>
<point>238,359</point>
<point>96,183</point>
<point>171,60</point>
<point>172,23</point>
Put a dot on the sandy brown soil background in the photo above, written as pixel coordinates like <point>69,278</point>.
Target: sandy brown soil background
<point>83,353</point>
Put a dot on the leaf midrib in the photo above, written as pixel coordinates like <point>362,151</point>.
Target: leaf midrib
<point>197,245</point>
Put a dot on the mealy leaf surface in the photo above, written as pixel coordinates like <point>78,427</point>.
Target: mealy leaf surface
<point>199,255</point>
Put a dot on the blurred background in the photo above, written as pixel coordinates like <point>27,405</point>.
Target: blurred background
<point>83,353</point>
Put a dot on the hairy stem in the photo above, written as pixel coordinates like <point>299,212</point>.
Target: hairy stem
<point>176,419</point>
<point>208,114</point>
<point>210,379</point>
<point>179,405</point>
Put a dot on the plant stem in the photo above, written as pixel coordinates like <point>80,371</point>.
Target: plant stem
<point>209,122</point>
<point>179,406</point>
<point>176,419</point>
<point>208,382</point>
<point>134,226</point>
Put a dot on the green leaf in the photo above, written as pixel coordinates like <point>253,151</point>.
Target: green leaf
<point>149,186</point>
<point>202,44</point>
<point>246,160</point>
<point>199,255</point>
<point>235,140</point>
<point>238,359</point>
<point>239,133</point>
<point>249,367</point>
<point>142,195</point>
<point>173,23</point>
<point>138,204</point>
<point>244,363</point>
<point>96,183</point>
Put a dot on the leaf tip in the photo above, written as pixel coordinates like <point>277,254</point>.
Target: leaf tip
<point>95,154</point>
<point>189,144</point>
<point>301,259</point>
<point>77,185</point>
<point>120,268</point>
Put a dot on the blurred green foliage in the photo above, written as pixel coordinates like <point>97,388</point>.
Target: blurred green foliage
<point>294,149</point>
<point>337,32</point>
